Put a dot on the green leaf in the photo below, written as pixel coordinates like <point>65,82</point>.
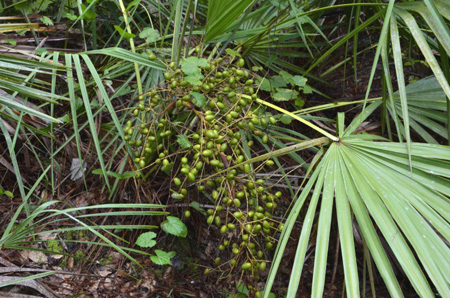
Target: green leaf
<point>183,141</point>
<point>123,91</point>
<point>149,34</point>
<point>307,89</point>
<point>283,94</point>
<point>8,193</point>
<point>162,257</point>
<point>71,17</point>
<point>196,206</point>
<point>194,79</point>
<point>298,81</point>
<point>299,102</point>
<point>192,65</point>
<point>132,4</point>
<point>124,33</point>
<point>64,119</point>
<point>40,51</point>
<point>287,77</point>
<point>232,53</point>
<point>167,168</point>
<point>242,288</point>
<point>146,239</point>
<point>173,225</point>
<point>199,99</point>
<point>278,82</point>
<point>285,119</point>
<point>11,41</point>
<point>47,21</point>
<point>265,85</point>
<point>88,14</point>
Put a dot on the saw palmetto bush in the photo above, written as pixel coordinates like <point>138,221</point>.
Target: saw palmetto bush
<point>213,94</point>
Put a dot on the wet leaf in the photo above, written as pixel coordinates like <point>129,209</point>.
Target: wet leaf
<point>283,94</point>
<point>146,239</point>
<point>173,225</point>
<point>162,257</point>
<point>149,34</point>
<point>183,141</point>
<point>199,99</point>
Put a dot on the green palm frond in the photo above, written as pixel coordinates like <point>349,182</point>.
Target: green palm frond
<point>371,182</point>
<point>427,108</point>
<point>419,20</point>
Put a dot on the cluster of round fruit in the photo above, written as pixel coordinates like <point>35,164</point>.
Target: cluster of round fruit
<point>199,126</point>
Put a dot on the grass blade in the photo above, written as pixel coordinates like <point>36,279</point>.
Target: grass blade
<point>397,52</point>
<point>90,117</point>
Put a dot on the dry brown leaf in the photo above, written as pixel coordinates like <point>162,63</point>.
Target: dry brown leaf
<point>48,236</point>
<point>103,272</point>
<point>37,257</point>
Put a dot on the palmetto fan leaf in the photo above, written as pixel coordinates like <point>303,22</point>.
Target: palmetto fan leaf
<point>372,182</point>
<point>427,108</point>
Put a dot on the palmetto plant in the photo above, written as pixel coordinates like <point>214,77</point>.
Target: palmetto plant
<point>373,185</point>
<point>394,191</point>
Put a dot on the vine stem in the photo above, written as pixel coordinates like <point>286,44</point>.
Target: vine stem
<point>315,127</point>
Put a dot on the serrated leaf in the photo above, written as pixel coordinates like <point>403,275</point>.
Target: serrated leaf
<point>146,239</point>
<point>278,82</point>
<point>286,76</point>
<point>149,34</point>
<point>307,89</point>
<point>265,85</point>
<point>283,94</point>
<point>198,99</point>
<point>298,81</point>
<point>194,79</point>
<point>124,33</point>
<point>232,53</point>
<point>173,225</point>
<point>192,65</point>
<point>183,141</point>
<point>46,21</point>
<point>162,257</point>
